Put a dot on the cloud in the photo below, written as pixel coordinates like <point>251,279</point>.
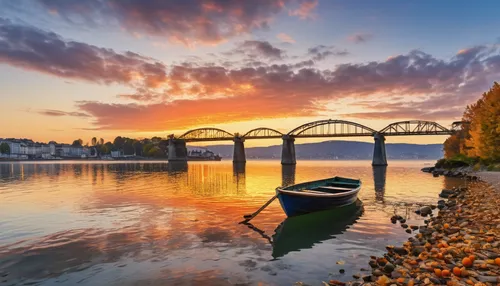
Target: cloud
<point>440,88</point>
<point>58,113</point>
<point>196,92</point>
<point>305,10</point>
<point>187,21</point>
<point>321,52</point>
<point>360,38</point>
<point>33,49</point>
<point>183,114</point>
<point>254,49</point>
<point>285,38</point>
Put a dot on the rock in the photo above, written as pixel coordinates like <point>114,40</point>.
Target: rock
<point>402,220</point>
<point>342,271</point>
<point>336,282</point>
<point>377,272</point>
<point>400,250</point>
<point>425,211</point>
<point>389,267</point>
<point>414,227</point>
<point>404,225</point>
<point>417,250</point>
<point>373,263</point>
<point>367,278</point>
<point>408,230</point>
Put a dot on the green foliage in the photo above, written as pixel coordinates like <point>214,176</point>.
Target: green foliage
<point>4,148</point>
<point>456,161</point>
<point>154,147</point>
<point>494,167</point>
<point>156,152</point>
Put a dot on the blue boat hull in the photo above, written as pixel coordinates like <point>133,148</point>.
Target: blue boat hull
<point>294,205</point>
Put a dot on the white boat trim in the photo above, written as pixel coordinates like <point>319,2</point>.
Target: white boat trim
<point>319,195</point>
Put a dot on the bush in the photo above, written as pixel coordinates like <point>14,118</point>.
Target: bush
<point>456,161</point>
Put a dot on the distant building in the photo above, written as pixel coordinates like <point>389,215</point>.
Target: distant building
<point>27,149</point>
<point>116,154</point>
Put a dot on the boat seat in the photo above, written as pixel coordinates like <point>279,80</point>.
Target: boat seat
<point>337,184</point>
<point>312,191</point>
<point>327,189</point>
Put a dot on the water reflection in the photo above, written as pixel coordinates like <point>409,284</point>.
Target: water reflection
<point>379,177</point>
<point>239,178</point>
<point>177,167</point>
<point>304,231</point>
<point>287,175</point>
<point>134,223</point>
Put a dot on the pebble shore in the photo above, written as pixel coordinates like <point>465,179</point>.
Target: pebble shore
<point>459,244</point>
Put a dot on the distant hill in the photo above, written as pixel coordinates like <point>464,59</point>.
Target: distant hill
<point>338,150</point>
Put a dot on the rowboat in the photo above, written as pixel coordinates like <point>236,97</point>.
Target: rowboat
<point>318,195</point>
<point>305,231</point>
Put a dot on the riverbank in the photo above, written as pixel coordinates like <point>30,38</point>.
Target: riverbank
<point>459,244</point>
<point>489,177</point>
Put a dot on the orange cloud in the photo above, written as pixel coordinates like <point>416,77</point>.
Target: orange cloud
<point>182,114</point>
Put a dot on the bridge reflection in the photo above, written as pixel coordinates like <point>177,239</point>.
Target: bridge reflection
<point>379,178</point>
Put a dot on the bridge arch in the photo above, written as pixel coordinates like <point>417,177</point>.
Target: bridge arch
<point>262,132</point>
<point>414,127</point>
<point>331,128</point>
<point>206,134</point>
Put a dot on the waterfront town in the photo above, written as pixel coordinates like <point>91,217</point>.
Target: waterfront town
<point>23,149</point>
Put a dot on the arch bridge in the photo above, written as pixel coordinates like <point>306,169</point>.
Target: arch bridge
<point>317,129</point>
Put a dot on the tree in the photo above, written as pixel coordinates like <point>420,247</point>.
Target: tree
<point>128,147</point>
<point>481,136</point>
<point>94,141</point>
<point>101,141</point>
<point>109,147</point>
<point>119,142</point>
<point>77,143</point>
<point>146,148</point>
<point>138,148</point>
<point>156,152</point>
<point>452,146</point>
<point>4,148</point>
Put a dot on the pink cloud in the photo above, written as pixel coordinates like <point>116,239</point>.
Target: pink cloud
<point>285,38</point>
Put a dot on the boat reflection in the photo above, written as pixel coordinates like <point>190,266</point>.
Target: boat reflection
<point>304,231</point>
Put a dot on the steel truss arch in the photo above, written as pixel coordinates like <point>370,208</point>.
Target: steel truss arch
<point>331,128</point>
<point>262,133</point>
<point>206,134</point>
<point>414,127</point>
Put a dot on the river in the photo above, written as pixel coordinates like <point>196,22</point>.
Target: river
<point>154,223</point>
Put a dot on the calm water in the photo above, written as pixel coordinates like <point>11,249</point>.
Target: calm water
<point>132,223</point>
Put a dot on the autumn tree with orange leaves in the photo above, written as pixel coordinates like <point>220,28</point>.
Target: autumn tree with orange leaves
<point>480,138</point>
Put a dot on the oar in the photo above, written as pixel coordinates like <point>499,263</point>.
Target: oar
<point>248,217</point>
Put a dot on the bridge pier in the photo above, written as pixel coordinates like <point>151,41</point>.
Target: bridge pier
<point>288,151</point>
<point>379,156</point>
<point>177,150</point>
<point>239,150</point>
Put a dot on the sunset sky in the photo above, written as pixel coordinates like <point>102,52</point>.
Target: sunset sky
<point>78,69</point>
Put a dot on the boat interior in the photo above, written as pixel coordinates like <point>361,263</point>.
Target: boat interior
<point>333,188</point>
